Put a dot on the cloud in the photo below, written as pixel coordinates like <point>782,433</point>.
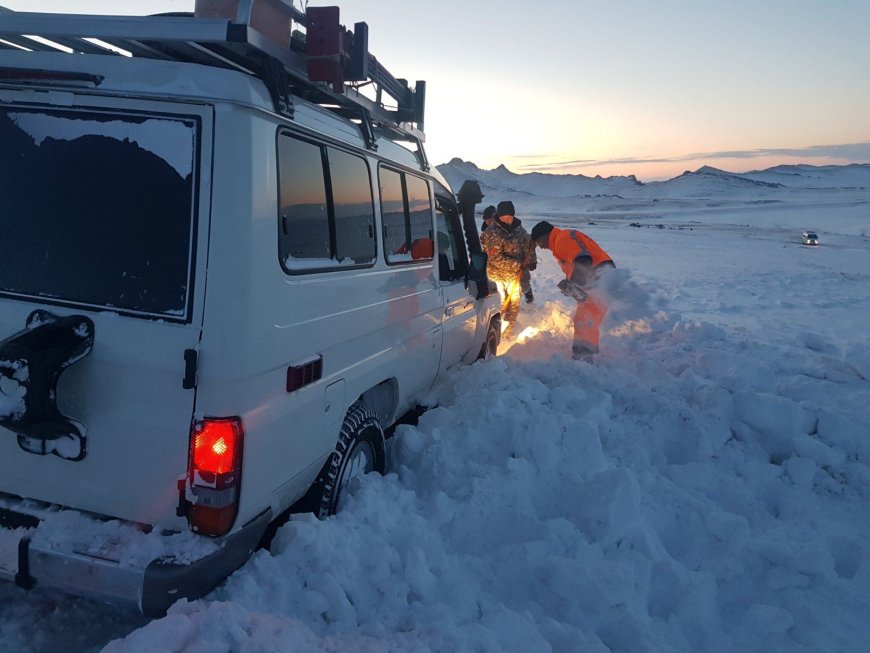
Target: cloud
<point>859,151</point>
<point>856,152</point>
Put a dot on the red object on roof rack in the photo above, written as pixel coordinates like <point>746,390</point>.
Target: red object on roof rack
<point>327,52</point>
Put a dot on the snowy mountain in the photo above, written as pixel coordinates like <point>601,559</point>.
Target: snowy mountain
<point>503,180</point>
<point>710,179</point>
<point>855,176</point>
<point>785,197</point>
<point>705,181</point>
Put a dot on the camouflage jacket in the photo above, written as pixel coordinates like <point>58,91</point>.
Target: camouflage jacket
<point>509,249</point>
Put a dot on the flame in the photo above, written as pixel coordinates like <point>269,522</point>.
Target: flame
<point>528,333</point>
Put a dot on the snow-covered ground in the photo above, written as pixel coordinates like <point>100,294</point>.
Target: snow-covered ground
<point>702,487</point>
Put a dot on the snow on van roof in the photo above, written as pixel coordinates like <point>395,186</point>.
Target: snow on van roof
<point>150,77</point>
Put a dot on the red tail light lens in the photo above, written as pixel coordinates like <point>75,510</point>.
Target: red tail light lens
<point>216,446</point>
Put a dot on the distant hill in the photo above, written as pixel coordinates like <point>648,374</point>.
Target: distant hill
<point>708,180</point>
<point>856,175</point>
<point>536,183</point>
<point>703,182</point>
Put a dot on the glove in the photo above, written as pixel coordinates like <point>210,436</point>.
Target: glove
<point>571,289</point>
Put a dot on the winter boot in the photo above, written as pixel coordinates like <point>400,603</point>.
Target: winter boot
<point>582,353</point>
<point>529,297</point>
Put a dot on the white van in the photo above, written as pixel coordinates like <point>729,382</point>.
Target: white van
<point>223,277</point>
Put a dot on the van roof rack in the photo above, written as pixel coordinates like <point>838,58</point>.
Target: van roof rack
<point>327,64</point>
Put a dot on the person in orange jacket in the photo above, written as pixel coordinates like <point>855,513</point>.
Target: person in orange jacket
<point>580,258</point>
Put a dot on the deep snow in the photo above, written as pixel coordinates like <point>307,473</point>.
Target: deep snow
<point>702,487</point>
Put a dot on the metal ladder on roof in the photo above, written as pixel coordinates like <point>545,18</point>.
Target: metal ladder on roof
<point>327,64</point>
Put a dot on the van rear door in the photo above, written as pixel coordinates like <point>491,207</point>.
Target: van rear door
<point>104,215</point>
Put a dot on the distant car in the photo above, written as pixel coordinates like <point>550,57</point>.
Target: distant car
<point>809,238</point>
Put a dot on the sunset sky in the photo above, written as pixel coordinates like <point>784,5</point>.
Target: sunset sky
<point>650,88</point>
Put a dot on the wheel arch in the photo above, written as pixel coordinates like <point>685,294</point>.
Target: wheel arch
<point>381,400</point>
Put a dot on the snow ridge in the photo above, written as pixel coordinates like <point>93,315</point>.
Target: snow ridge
<point>705,181</point>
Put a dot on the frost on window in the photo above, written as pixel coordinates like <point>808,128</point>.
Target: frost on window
<point>97,208</point>
<point>172,141</point>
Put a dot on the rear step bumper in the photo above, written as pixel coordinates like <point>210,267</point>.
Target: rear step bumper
<point>150,588</point>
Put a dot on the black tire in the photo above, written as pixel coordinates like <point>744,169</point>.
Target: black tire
<point>493,337</point>
<point>360,450</point>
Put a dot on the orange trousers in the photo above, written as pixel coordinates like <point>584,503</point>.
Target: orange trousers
<point>587,320</point>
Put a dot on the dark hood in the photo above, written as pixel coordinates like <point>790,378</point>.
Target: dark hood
<point>510,228</point>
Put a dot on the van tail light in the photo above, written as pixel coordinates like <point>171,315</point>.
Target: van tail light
<point>215,474</point>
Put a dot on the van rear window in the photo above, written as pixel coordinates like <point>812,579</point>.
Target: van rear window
<point>97,208</point>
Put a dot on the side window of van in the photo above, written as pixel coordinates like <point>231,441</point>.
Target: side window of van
<point>326,217</point>
<point>396,240</point>
<point>420,209</point>
<point>406,212</point>
<point>452,261</point>
<point>353,207</point>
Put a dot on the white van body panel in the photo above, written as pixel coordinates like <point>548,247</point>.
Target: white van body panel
<point>460,324</point>
<point>368,325</point>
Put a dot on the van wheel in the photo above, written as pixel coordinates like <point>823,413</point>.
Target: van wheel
<point>493,337</point>
<point>360,450</point>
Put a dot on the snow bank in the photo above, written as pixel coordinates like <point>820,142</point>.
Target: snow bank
<point>685,493</point>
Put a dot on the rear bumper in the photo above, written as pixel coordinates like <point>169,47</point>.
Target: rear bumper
<point>150,588</point>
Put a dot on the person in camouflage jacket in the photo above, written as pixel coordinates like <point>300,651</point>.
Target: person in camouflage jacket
<point>510,250</point>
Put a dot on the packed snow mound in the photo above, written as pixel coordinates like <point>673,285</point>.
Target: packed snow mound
<point>694,490</point>
<point>658,508</point>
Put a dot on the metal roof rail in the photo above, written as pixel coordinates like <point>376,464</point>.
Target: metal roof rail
<point>326,64</point>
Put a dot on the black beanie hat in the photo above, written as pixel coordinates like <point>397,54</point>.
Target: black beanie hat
<point>489,212</point>
<point>543,228</point>
<point>506,208</point>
